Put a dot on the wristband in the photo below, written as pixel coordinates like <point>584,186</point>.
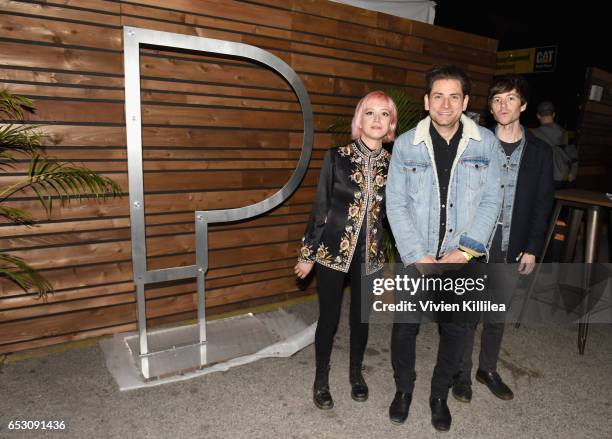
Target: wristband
<point>468,256</point>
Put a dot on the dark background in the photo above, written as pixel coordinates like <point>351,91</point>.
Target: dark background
<point>579,29</point>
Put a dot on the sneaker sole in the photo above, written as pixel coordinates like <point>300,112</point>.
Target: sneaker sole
<point>500,396</point>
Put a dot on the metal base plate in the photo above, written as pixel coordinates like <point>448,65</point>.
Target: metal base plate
<point>177,354</point>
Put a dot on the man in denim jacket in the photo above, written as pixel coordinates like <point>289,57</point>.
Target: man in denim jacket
<point>443,201</point>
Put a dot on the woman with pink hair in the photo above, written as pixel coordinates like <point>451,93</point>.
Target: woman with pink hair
<point>344,234</point>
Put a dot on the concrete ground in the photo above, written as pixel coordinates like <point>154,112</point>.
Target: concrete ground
<point>559,394</point>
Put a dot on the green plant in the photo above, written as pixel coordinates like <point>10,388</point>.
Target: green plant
<point>49,179</point>
<point>409,113</point>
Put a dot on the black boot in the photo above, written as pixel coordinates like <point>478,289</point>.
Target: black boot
<point>440,414</point>
<point>398,410</point>
<point>359,388</point>
<point>320,393</point>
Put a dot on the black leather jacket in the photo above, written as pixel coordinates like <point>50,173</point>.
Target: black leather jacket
<point>351,189</point>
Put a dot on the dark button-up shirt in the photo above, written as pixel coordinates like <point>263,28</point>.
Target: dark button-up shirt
<point>444,156</point>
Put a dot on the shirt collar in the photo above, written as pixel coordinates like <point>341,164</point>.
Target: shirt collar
<point>436,138</point>
<point>470,130</point>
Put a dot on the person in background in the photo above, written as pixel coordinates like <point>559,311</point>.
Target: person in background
<point>564,155</point>
<point>345,232</point>
<point>527,185</point>
<point>443,200</point>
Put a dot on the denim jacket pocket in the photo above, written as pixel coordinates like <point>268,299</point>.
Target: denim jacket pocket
<point>415,175</point>
<point>475,168</point>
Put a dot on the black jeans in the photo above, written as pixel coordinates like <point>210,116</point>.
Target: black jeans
<point>403,352</point>
<point>490,344</point>
<point>329,286</point>
<point>501,278</point>
<point>403,356</point>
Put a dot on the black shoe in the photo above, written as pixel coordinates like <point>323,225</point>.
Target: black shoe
<point>495,384</point>
<point>462,387</point>
<point>398,410</point>
<point>320,392</point>
<point>440,414</point>
<point>359,388</point>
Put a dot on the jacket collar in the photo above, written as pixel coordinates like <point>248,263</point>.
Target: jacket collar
<point>470,131</point>
<point>364,150</point>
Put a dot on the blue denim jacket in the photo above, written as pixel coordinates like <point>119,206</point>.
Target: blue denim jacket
<point>509,168</point>
<point>413,195</point>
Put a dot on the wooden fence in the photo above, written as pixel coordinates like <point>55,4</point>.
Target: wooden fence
<point>217,133</point>
<point>595,136</point>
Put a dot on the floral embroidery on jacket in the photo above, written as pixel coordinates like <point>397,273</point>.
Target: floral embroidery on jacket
<point>323,254</point>
<point>306,252</point>
<point>366,171</point>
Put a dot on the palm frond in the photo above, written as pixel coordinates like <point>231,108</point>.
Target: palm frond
<point>16,216</point>
<point>341,130</point>
<point>13,106</point>
<point>20,273</point>
<point>6,160</point>
<point>23,138</point>
<point>388,244</point>
<point>51,180</point>
<point>409,110</point>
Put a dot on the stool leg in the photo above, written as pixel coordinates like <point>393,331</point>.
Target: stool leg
<point>590,257</point>
<point>572,237</point>
<point>569,251</point>
<point>549,234</point>
<point>551,229</point>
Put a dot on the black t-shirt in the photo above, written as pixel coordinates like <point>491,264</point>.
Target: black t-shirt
<point>510,147</point>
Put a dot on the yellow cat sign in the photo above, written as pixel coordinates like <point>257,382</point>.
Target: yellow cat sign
<point>529,60</point>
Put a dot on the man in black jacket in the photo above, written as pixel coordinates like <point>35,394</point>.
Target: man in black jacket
<point>527,183</point>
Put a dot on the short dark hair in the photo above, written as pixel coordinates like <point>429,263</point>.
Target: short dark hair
<point>448,72</point>
<point>546,108</point>
<point>507,83</point>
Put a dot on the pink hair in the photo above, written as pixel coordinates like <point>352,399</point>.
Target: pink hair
<point>362,105</point>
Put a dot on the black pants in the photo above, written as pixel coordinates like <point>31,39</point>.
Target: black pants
<point>490,344</point>
<point>403,356</point>
<point>403,350</point>
<point>329,285</point>
<point>492,331</point>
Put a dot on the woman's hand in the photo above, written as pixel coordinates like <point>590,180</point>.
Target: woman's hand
<point>302,269</point>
